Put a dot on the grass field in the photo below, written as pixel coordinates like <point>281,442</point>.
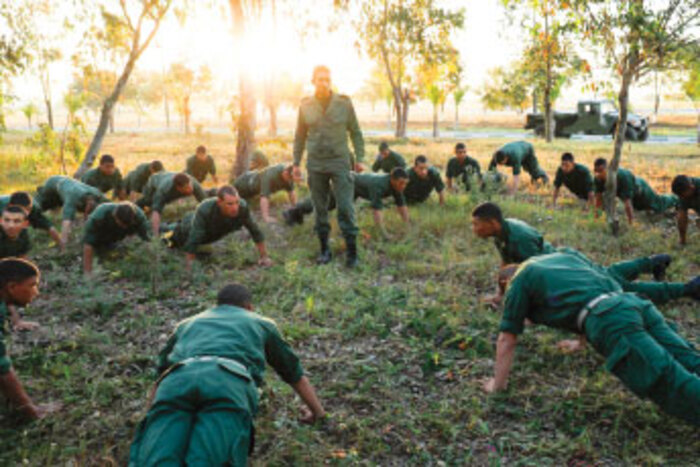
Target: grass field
<point>396,348</point>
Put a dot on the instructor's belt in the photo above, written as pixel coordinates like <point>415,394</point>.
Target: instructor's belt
<point>583,314</point>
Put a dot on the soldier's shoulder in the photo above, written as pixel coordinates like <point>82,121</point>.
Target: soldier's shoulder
<point>432,170</point>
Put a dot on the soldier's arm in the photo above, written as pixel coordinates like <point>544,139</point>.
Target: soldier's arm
<point>87,259</point>
<point>505,352</point>
<point>212,171</point>
<point>629,211</point>
<point>401,207</point>
<point>292,197</point>
<point>300,135</point>
<point>142,229</point>
<point>259,239</point>
<point>493,164</point>
<point>516,183</point>
<point>477,167</point>
<point>199,193</point>
<point>65,230</point>
<point>358,142</point>
<point>265,193</point>
<point>377,163</point>
<point>555,196</point>
<point>682,221</point>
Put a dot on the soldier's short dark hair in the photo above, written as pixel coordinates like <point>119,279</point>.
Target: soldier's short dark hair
<point>226,190</point>
<point>681,184</point>
<point>488,211</point>
<point>181,180</point>
<point>420,160</point>
<point>383,146</point>
<point>567,156</point>
<point>318,69</point>
<point>398,173</point>
<point>600,162</point>
<point>500,156</point>
<point>460,146</point>
<point>16,270</point>
<point>201,150</point>
<point>106,159</point>
<point>126,213</point>
<point>14,209</point>
<point>234,294</point>
<point>156,166</point>
<point>21,198</point>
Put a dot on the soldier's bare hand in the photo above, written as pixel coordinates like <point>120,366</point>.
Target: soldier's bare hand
<point>296,172</point>
<point>44,410</point>
<point>265,261</point>
<point>359,168</point>
<point>570,345</point>
<point>26,326</point>
<point>489,385</point>
<point>307,417</point>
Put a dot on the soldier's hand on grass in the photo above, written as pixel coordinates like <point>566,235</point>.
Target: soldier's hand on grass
<point>26,325</point>
<point>359,168</point>
<point>270,220</point>
<point>44,410</point>
<point>265,261</point>
<point>489,386</point>
<point>307,417</point>
<point>570,345</point>
<point>296,172</point>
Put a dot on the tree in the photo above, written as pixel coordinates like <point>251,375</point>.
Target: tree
<point>46,57</point>
<point>437,80</point>
<point>458,92</point>
<point>279,89</point>
<point>180,81</point>
<point>402,36</point>
<point>127,31</point>
<point>15,18</point>
<point>29,111</point>
<point>691,86</point>
<point>636,37</point>
<point>95,86</point>
<point>378,89</point>
<point>508,88</point>
<point>145,89</point>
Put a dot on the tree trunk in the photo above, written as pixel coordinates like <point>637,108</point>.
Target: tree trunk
<point>534,101</point>
<point>186,112</point>
<point>49,112</point>
<point>245,131</point>
<point>456,116</point>
<point>548,121</point>
<point>272,129</point>
<point>111,122</point>
<point>435,121</point>
<point>167,109</point>
<point>698,126</point>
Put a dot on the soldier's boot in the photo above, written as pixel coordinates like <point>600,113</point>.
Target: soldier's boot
<point>692,288</point>
<point>325,256</point>
<point>293,216</point>
<point>659,265</point>
<point>351,259</point>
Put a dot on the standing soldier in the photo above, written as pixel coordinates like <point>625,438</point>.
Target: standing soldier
<point>136,180</point>
<point>387,159</point>
<point>265,182</point>
<point>106,177</point>
<point>324,121</point>
<point>203,405</point>
<point>200,165</point>
<point>36,218</point>
<point>462,167</point>
<point>422,180</point>
<point>688,191</point>
<point>576,177</point>
<point>519,155</point>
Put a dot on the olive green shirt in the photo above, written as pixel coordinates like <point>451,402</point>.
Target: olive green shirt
<point>5,362</point>
<point>324,134</point>
<point>419,189</point>
<point>375,187</point>
<point>694,201</point>
<point>388,163</point>
<point>137,178</point>
<point>579,181</point>
<point>69,193</point>
<point>465,169</point>
<point>104,183</point>
<point>231,332</point>
<point>36,218</point>
<point>626,184</point>
<point>207,225</point>
<point>263,182</point>
<point>200,169</point>
<point>14,247</point>
<point>160,190</point>
<point>519,153</point>
<point>519,241</point>
<point>102,230</point>
<point>552,289</point>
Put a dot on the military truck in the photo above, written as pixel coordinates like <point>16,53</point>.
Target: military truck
<point>593,117</point>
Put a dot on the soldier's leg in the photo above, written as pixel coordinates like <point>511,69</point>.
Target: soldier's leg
<point>344,190</point>
<point>630,270</point>
<point>657,292</point>
<point>319,185</point>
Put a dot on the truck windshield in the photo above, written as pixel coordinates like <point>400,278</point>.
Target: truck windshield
<point>606,107</point>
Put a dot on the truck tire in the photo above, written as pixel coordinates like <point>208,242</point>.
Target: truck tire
<point>644,135</point>
<point>539,130</point>
<point>631,134</point>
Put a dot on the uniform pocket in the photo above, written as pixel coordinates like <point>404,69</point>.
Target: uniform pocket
<point>639,373</point>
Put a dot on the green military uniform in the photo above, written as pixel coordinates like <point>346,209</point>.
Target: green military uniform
<point>137,178</point>
<point>567,291</point>
<point>258,160</point>
<point>14,247</point>
<point>102,231</point>
<point>5,362</point>
<point>203,409</point>
<point>464,170</point>
<point>579,181</point>
<point>322,128</point>
<point>625,185</point>
<point>71,194</point>
<point>104,183</point>
<point>693,202</point>
<point>521,155</point>
<point>418,189</point>
<point>638,192</point>
<point>519,241</point>
<point>160,190</point>
<point>200,169</point>
<point>263,182</point>
<point>627,272</point>
<point>206,225</point>
<point>388,163</point>
<point>36,218</point>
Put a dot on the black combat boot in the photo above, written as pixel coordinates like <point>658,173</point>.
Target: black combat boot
<point>351,253</point>
<point>659,264</point>
<point>325,256</point>
<point>692,288</point>
<point>293,216</point>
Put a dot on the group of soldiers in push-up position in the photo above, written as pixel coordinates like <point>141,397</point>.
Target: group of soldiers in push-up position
<point>202,406</point>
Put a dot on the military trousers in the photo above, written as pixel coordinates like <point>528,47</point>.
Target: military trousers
<point>532,167</point>
<point>340,184</point>
<point>646,199</point>
<point>646,354</point>
<point>627,272</point>
<point>202,415</point>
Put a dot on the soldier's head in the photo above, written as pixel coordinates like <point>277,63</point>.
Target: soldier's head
<point>384,149</point>
<point>288,174</point>
<point>201,153</point>
<point>487,220</point>
<point>683,187</point>
<point>567,162</point>
<point>501,157</point>
<point>107,166</point>
<point>155,167</point>
<point>420,166</point>
<point>505,274</point>
<point>600,168</point>
<point>125,215</point>
<point>321,79</point>
<point>22,199</point>
<point>13,221</point>
<point>398,179</point>
<point>228,201</point>
<point>461,151</point>
<point>19,281</point>
<point>235,295</point>
<point>258,160</point>
<point>183,185</point>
